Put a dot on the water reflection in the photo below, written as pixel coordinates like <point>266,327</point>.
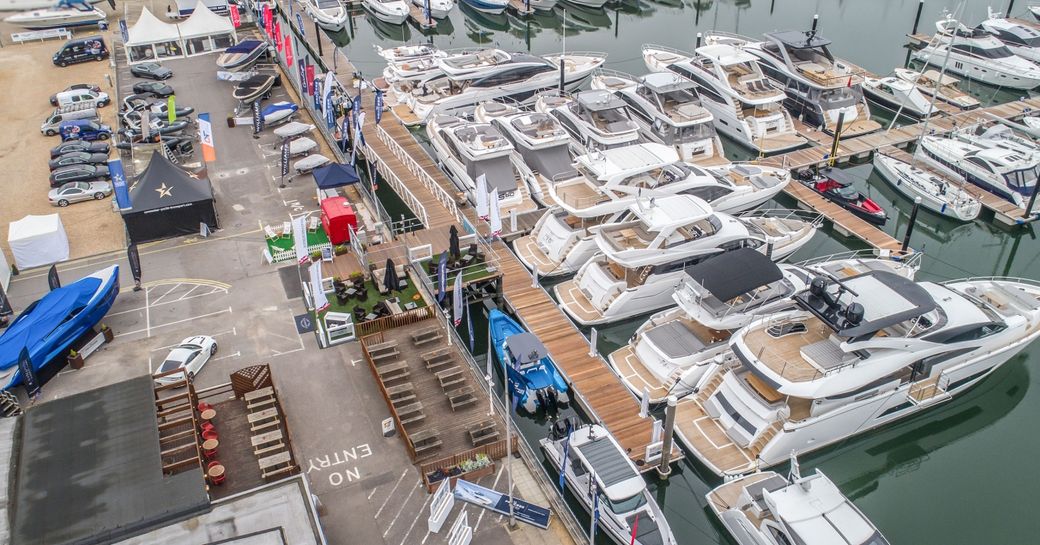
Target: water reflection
<point>387,31</point>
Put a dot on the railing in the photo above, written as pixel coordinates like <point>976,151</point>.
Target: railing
<point>812,218</point>
<point>908,259</point>
<point>290,253</point>
<point>408,317</point>
<point>442,196</point>
<point>667,49</point>
<point>494,451</point>
<point>22,37</point>
<point>413,203</point>
<point>1029,281</point>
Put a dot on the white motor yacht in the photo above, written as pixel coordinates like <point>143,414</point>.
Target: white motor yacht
<point>329,14</point>
<point>439,9</point>
<point>26,5</point>
<point>668,111</point>
<point>644,259</point>
<point>937,193</point>
<point>393,12</point>
<point>57,17</point>
<point>1009,174</point>
<point>975,54</point>
<point>819,87</point>
<point>468,150</point>
<point>764,508</point>
<point>1021,39</point>
<point>745,105</point>
<point>594,464</point>
<point>898,95</point>
<point>411,52</point>
<point>854,355</point>
<point>1035,10</point>
<point>596,118</point>
<point>944,87</point>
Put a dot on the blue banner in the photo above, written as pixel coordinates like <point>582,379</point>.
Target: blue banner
<point>299,23</point>
<point>357,103</point>
<point>258,120</point>
<point>123,30</point>
<point>379,105</point>
<point>426,10</point>
<point>29,380</point>
<point>345,132</point>
<point>317,94</point>
<point>122,191</point>
<point>532,514</point>
<point>303,77</point>
<point>330,113</point>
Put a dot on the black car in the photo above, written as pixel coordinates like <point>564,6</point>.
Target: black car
<point>74,87</point>
<point>90,48</point>
<point>79,173</point>
<point>151,70</point>
<point>154,88</point>
<point>70,146</point>
<point>78,158</point>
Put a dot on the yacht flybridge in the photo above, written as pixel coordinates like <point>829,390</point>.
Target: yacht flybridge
<point>596,119</point>
<point>819,87</point>
<point>644,259</point>
<point>1021,39</point>
<point>745,105</point>
<point>668,111</point>
<point>977,55</point>
<point>1008,173</point>
<point>854,355</point>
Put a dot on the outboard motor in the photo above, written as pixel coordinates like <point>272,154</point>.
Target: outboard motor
<point>553,400</point>
<point>562,428</point>
<point>540,397</point>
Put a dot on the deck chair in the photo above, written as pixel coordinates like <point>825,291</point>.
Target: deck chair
<point>312,224</point>
<point>287,229</point>
<point>269,233</point>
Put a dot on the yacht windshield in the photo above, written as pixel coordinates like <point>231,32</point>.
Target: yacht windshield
<point>1022,179</point>
<point>626,505</point>
<point>838,98</point>
<point>678,97</point>
<point>998,52</point>
<point>691,133</point>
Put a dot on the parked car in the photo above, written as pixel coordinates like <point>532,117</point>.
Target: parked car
<point>78,158</point>
<point>155,88</point>
<point>151,70</point>
<point>52,124</point>
<point>79,173</point>
<point>91,48</point>
<point>79,145</point>
<point>78,191</point>
<point>75,87</point>
<point>82,96</point>
<point>190,355</point>
<point>84,129</point>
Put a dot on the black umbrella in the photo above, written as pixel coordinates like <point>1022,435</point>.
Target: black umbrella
<point>453,243</point>
<point>390,278</point>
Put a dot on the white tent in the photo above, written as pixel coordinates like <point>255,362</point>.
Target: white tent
<point>206,31</point>
<point>37,241</point>
<point>152,39</point>
<point>5,272</point>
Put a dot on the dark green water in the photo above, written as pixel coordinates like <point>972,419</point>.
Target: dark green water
<point>962,473</point>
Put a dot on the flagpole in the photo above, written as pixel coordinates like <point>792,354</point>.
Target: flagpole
<point>592,506</point>
<point>491,385</point>
<point>509,442</point>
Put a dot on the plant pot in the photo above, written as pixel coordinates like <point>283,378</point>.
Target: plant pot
<point>75,362</point>
<point>109,334</point>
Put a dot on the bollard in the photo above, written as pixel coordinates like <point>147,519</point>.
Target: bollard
<point>917,18</point>
<point>815,21</point>
<point>837,138</point>
<point>665,468</point>
<point>699,35</point>
<point>910,226</point>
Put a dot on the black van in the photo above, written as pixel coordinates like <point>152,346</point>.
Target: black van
<point>81,50</point>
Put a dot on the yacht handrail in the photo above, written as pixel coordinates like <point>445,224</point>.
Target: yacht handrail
<point>732,35</point>
<point>910,258</point>
<point>1019,279</point>
<point>812,218</point>
<point>667,49</point>
<point>616,74</point>
<point>602,54</point>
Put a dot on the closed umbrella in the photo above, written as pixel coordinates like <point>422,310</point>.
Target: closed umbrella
<point>390,278</point>
<point>453,243</point>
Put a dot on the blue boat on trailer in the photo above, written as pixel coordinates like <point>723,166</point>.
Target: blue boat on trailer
<point>536,385</point>
<point>50,326</point>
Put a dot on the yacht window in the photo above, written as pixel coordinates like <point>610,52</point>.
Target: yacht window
<point>979,162</point>
<point>999,52</point>
<point>626,505</point>
<point>779,536</point>
<point>709,193</point>
<point>838,98</point>
<point>511,76</point>
<point>1022,178</point>
<point>967,333</point>
<point>772,49</point>
<point>690,133</point>
<point>876,539</point>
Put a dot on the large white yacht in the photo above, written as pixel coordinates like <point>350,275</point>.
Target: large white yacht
<point>596,118</point>
<point>898,95</point>
<point>668,111</point>
<point>975,54</point>
<point>819,87</point>
<point>854,355</point>
<point>394,12</point>
<point>745,105</point>
<point>1009,174</point>
<point>644,259</point>
<point>765,508</point>
<point>673,349</point>
<point>469,79</point>
<point>328,14</point>
<point>468,150</point>
<point>1021,39</point>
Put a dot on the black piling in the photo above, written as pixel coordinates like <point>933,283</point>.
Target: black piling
<point>917,18</point>
<point>699,36</point>
<point>1011,6</point>
<point>1029,207</point>
<point>563,62</point>
<point>317,38</point>
<point>815,21</point>
<point>910,226</point>
<point>836,139</point>
<point>772,4</point>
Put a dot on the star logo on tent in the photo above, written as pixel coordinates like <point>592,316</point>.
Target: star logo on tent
<point>164,191</point>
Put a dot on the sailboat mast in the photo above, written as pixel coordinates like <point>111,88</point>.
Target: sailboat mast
<point>938,82</point>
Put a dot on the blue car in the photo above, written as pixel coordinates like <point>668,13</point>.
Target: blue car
<point>84,129</point>
<point>535,385</point>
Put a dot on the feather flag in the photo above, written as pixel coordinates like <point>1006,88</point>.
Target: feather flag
<point>379,106</point>
<point>442,276</point>
<point>469,327</point>
<point>482,197</point>
<point>456,311</point>
<point>321,303</point>
<point>299,228</point>
<point>496,217</point>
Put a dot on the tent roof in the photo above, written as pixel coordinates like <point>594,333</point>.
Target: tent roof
<point>34,226</point>
<point>150,30</point>
<point>164,185</point>
<point>203,22</point>
<point>335,175</point>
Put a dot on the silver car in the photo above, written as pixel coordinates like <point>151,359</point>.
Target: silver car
<point>79,191</point>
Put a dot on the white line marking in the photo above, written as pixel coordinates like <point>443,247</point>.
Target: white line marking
<point>403,505</point>
<point>237,354</point>
<point>147,314</point>
<point>493,486</point>
<point>294,350</point>
<point>392,490</point>
<point>373,492</point>
<point>175,286</point>
<point>167,347</point>
<point>187,293</point>
<point>145,308</point>
<point>417,517</point>
<point>148,330</point>
<point>353,362</point>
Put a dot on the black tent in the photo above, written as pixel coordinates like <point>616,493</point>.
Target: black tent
<point>167,202</point>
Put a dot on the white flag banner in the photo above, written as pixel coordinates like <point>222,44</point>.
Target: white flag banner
<point>326,90</point>
<point>482,197</point>
<point>644,403</point>
<point>299,231</point>
<point>457,300</point>
<point>320,301</point>
<point>496,215</point>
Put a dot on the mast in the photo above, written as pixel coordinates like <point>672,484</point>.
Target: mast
<point>935,91</point>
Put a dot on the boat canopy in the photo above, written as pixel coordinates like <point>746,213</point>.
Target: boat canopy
<point>725,54</point>
<point>612,468</point>
<point>735,273</point>
<point>663,213</point>
<point>799,40</point>
<point>245,46</point>
<point>597,100</point>
<point>887,299</point>
<point>37,321</point>
<point>666,82</point>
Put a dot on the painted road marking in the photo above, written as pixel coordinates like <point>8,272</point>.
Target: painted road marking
<point>392,490</point>
<point>148,330</point>
<point>403,505</point>
<point>419,515</point>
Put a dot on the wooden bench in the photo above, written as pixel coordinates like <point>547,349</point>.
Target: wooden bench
<point>422,435</point>
<point>401,393</point>
<point>427,336</point>
<point>450,377</point>
<point>260,403</point>
<point>482,433</point>
<point>437,359</point>
<point>411,413</point>
<point>276,472</point>
<point>461,397</point>
<point>259,441</point>
<point>271,464</point>
<point>277,447</point>
<point>255,394</point>
<point>431,445</point>
<point>393,371</point>
<point>390,345</point>
<point>260,416</point>
<point>265,425</point>
<point>384,357</point>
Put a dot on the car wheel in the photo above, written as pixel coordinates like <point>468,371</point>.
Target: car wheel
<point>49,132</point>
<point>191,376</point>
<point>213,349</point>
<point>102,136</point>
<point>63,203</point>
<point>63,64</point>
<point>98,196</point>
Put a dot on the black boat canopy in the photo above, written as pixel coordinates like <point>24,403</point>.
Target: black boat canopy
<point>799,40</point>
<point>735,273</point>
<point>887,299</point>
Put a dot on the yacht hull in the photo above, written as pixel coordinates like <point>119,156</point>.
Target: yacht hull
<point>898,174</point>
<point>969,68</point>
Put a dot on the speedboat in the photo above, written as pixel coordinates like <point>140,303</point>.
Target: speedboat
<point>535,385</point>
<point>393,12</point>
<point>57,17</point>
<point>494,7</point>
<point>301,146</point>
<point>820,88</point>
<point>1009,174</point>
<point>833,185</point>
<point>49,327</point>
<point>328,14</point>
<point>668,110</point>
<point>1020,39</point>
<point>253,88</point>
<point>439,9</point>
<point>644,259</point>
<point>24,5</point>
<point>765,508</point>
<point>241,55</point>
<point>936,192</point>
<point>279,112</point>
<point>405,53</point>
<point>943,87</point>
<point>745,104</point>
<point>898,96</point>
<point>854,355</point>
<point>596,118</point>
<point>604,480</point>
<point>975,54</point>
<point>293,128</point>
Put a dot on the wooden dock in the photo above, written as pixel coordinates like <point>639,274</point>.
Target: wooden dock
<point>415,13</point>
<point>521,8</point>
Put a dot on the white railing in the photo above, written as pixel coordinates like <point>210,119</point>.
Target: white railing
<point>419,172</point>
<point>290,254</point>
<point>413,203</point>
<point>908,260</point>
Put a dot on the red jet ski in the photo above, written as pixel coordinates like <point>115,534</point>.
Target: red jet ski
<point>833,186</point>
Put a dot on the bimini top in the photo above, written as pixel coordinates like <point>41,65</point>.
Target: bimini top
<point>597,100</point>
<point>735,273</point>
<point>615,473</point>
<point>671,211</point>
<point>799,40</point>
<point>725,54</point>
<point>634,158</point>
<point>666,82</point>
<point>887,299</point>
<point>245,46</point>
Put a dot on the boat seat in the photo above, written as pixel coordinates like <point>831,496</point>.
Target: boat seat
<point>825,355</point>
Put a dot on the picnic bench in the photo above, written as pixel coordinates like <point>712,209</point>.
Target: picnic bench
<point>275,464</point>
<point>393,371</point>
<point>483,433</point>
<point>267,442</point>
<point>427,336</point>
<point>411,413</point>
<point>424,440</point>
<point>450,377</point>
<point>260,403</point>
<point>384,351</point>
<point>402,393</point>
<point>267,418</point>
<point>438,358</point>
<point>461,397</point>
<point>257,394</point>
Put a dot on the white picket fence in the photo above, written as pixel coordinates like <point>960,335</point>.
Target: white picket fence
<point>290,254</point>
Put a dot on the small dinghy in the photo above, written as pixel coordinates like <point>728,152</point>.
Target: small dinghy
<point>241,55</point>
<point>279,112</point>
<point>831,185</point>
<point>301,146</point>
<point>310,162</point>
<point>293,128</point>
<point>253,88</point>
<point>536,385</point>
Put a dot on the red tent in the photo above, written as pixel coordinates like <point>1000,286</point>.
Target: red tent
<point>336,216</point>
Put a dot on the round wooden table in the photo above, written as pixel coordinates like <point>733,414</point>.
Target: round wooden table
<point>215,474</point>
<point>209,448</point>
<point>209,414</point>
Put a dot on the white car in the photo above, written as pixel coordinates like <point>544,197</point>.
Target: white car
<point>191,354</point>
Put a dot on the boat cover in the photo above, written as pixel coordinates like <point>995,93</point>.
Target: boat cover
<point>48,313</point>
<point>293,128</point>
<point>244,46</point>
<point>735,273</point>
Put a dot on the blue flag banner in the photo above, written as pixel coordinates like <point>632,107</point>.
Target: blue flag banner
<point>258,120</point>
<point>563,465</point>
<point>469,326</point>
<point>122,190</point>
<point>532,514</point>
<point>29,380</point>
<point>123,30</point>
<point>357,102</point>
<point>345,132</point>
<point>299,24</point>
<point>442,275</point>
<point>303,76</point>
<point>379,105</point>
<point>317,94</point>
<point>330,113</point>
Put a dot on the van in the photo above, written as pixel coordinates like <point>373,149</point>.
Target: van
<point>51,125</point>
<point>84,129</point>
<point>82,96</point>
<point>92,48</point>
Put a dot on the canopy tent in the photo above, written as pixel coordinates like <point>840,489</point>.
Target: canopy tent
<point>151,39</point>
<point>206,31</point>
<point>37,241</point>
<point>5,272</point>
<point>335,175</point>
<point>166,201</point>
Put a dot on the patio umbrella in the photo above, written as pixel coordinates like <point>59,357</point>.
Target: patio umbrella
<point>390,279</point>
<point>453,243</point>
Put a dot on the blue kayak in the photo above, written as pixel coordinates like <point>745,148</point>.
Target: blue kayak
<point>535,384</point>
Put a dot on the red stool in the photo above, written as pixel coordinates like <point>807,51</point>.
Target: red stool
<point>210,434</point>
<point>215,473</point>
<point>208,426</point>
<point>204,406</point>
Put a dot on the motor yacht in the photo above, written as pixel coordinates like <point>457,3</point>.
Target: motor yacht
<point>942,86</point>
<point>765,508</point>
<point>242,55</point>
<point>328,14</point>
<point>469,79</point>
<point>745,105</point>
<point>76,15</point>
<point>493,7</point>
<point>975,54</point>
<point>605,480</point>
<point>596,118</point>
<point>1009,174</point>
<point>898,95</point>
<point>410,52</point>
<point>854,355</point>
<point>674,348</point>
<point>393,12</point>
<point>937,193</point>
<point>26,5</point>
<point>820,88</point>
<point>1020,39</point>
<point>439,9</point>
<point>468,150</point>
<point>644,259</point>
<point>668,111</point>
